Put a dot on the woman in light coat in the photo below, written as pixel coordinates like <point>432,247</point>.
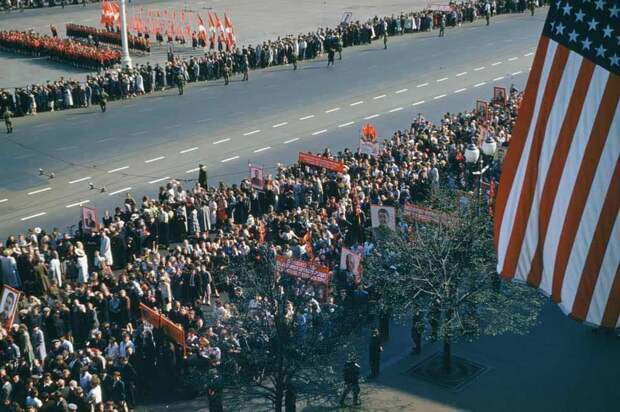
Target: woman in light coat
<point>82,263</point>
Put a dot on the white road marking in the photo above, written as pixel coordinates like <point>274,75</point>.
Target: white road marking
<point>138,133</point>
<point>461,74</point>
<point>496,64</point>
<point>66,148</point>
<point>79,180</point>
<point>172,126</point>
<point>203,120</point>
<point>291,140</point>
<point>4,200</point>
<point>335,109</point>
<point>159,180</point>
<point>381,96</point>
<point>32,216</point>
<point>230,158</point>
<point>47,189</point>
<point>443,79</point>
<point>396,109</point>
<point>192,170</point>
<point>417,103</point>
<point>498,78</point>
<point>252,132</point>
<point>105,140</point>
<point>148,109</point>
<point>155,159</point>
<point>516,73</point>
<point>477,69</point>
<point>401,91</point>
<point>221,140</point>
<point>439,97</point>
<point>83,202</point>
<point>279,124</point>
<point>125,189</point>
<point>422,85</point>
<point>346,124</point>
<point>528,54</point>
<point>460,90</point>
<point>512,59</point>
<point>118,169</point>
<point>262,149</point>
<point>372,116</point>
<point>310,116</point>
<point>191,149</point>
<point>319,132</point>
<point>357,103</point>
<point>480,84</point>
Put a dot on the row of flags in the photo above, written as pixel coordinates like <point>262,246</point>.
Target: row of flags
<point>172,23</point>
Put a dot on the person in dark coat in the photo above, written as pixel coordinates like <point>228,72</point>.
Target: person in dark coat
<point>119,391</point>
<point>351,375</point>
<point>203,176</point>
<point>214,391</point>
<point>375,354</point>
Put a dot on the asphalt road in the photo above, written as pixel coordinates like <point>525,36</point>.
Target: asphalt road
<point>140,143</point>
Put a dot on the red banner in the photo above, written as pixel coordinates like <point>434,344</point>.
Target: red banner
<point>172,330</point>
<point>319,161</point>
<point>301,269</point>
<point>422,214</point>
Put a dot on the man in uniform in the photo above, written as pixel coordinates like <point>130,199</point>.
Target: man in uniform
<point>385,38</point>
<point>203,176</point>
<point>330,56</point>
<point>532,6</point>
<point>246,67</point>
<point>375,354</point>
<point>442,26</point>
<point>180,79</point>
<point>294,60</point>
<point>351,374</point>
<point>103,100</point>
<point>7,120</point>
<point>214,391</point>
<point>226,74</point>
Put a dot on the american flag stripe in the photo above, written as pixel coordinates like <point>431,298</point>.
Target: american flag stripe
<point>558,203</point>
<point>558,161</point>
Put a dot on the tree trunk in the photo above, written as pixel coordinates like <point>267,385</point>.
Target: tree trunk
<point>447,354</point>
<point>279,399</point>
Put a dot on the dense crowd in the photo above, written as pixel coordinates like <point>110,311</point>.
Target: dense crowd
<point>9,5</point>
<point>63,50</point>
<point>217,62</point>
<point>96,36</point>
<point>78,340</point>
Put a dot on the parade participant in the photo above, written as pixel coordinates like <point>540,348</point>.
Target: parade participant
<point>226,74</point>
<point>103,100</point>
<point>442,26</point>
<point>180,80</point>
<point>203,176</point>
<point>417,330</point>
<point>375,349</point>
<point>214,391</point>
<point>385,40</point>
<point>7,120</point>
<point>351,376</point>
<point>330,56</point>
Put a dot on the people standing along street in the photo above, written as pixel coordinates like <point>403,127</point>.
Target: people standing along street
<point>7,115</point>
<point>351,375</point>
<point>375,354</point>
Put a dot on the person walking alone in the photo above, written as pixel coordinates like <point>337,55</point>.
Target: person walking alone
<point>103,100</point>
<point>442,26</point>
<point>7,115</point>
<point>375,354</point>
<point>385,38</point>
<point>351,375</point>
<point>330,56</point>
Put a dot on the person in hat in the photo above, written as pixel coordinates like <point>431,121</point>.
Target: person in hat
<point>351,375</point>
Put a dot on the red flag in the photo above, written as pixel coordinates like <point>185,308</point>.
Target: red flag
<point>212,27</point>
<point>219,27</point>
<point>230,38</point>
<point>556,216</point>
<point>202,30</point>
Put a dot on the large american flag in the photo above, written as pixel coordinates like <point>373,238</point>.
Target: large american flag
<point>556,222</point>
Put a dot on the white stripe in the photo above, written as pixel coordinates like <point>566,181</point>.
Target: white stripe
<point>605,277</point>
<point>252,132</point>
<point>460,90</point>
<point>477,69</point>
<point>279,124</point>
<point>378,97</point>
<point>39,191</point>
<point>512,59</point>
<point>528,54</point>
<point>516,73</point>
<point>138,133</point>
<point>192,170</point>
<point>155,159</point>
<point>32,216</point>
<point>125,189</point>
<point>346,124</point>
<point>496,64</point>
<point>118,169</point>
<point>591,214</point>
<point>422,85</point>
<point>335,109</point>
<point>262,149</point>
<point>515,190</point>
<point>159,180</point>
<point>480,84</point>
<point>191,149</point>
<point>400,91</point>
<point>443,79</point>
<point>461,74</point>
<point>230,158</point>
<point>291,140</point>
<point>418,103</point>
<point>498,78</point>
<point>319,132</point>
<point>396,109</point>
<point>83,202</point>
<point>356,103</point>
<point>439,97</point>
<point>306,117</point>
<point>4,200</point>
<point>222,140</point>
<point>550,138</point>
<point>79,180</point>
<point>569,174</point>
<point>371,116</point>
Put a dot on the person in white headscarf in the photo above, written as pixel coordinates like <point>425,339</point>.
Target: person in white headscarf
<point>82,263</point>
<point>105,248</point>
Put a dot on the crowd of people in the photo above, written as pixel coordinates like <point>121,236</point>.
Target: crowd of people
<point>78,341</point>
<point>63,50</point>
<point>9,5</point>
<point>97,36</point>
<point>219,63</point>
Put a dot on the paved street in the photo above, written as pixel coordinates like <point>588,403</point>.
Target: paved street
<point>138,143</point>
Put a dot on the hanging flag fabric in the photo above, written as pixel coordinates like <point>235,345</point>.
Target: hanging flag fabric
<point>212,28</point>
<point>230,38</point>
<point>219,27</point>
<point>202,30</point>
<point>556,216</point>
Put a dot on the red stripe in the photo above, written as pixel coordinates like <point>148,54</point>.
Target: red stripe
<point>519,135</point>
<point>581,190</point>
<point>556,166</point>
<point>612,310</point>
<point>598,247</point>
<point>531,172</point>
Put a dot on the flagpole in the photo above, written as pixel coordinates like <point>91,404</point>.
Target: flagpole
<point>125,59</point>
